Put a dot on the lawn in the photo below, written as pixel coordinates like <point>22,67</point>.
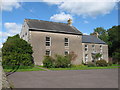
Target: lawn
<point>27,69</point>
<point>84,67</point>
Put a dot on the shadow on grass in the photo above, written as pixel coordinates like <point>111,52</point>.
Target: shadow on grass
<point>13,70</point>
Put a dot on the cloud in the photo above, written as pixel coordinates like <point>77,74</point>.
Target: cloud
<point>11,29</point>
<point>85,34</point>
<point>85,22</point>
<point>8,5</point>
<point>61,17</point>
<point>85,8</point>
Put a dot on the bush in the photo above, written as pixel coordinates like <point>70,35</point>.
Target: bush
<point>62,61</point>
<point>48,62</point>
<point>101,63</point>
<point>59,61</point>
<point>91,64</point>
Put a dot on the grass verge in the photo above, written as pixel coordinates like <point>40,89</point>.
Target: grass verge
<point>83,67</point>
<point>28,69</point>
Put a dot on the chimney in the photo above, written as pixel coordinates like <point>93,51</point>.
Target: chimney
<point>95,34</point>
<point>69,22</point>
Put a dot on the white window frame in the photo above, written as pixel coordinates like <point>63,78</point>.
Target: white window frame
<point>101,48</point>
<point>47,41</point>
<point>93,48</point>
<point>49,53</point>
<point>86,58</point>
<point>66,51</point>
<point>86,47</point>
<point>66,42</point>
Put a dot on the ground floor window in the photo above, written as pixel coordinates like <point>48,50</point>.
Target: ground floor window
<point>86,57</point>
<point>66,52</point>
<point>48,53</point>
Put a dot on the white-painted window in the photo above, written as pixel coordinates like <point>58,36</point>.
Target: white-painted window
<point>48,41</point>
<point>66,41</point>
<point>86,47</point>
<point>100,48</point>
<point>86,57</point>
<point>93,47</point>
<point>48,53</point>
<point>66,52</point>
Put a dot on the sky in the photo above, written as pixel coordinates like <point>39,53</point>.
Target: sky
<point>86,15</point>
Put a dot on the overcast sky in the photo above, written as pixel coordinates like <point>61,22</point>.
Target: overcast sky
<point>86,14</point>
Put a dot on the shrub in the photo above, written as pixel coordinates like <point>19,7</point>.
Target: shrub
<point>62,61</point>
<point>48,62</point>
<point>101,63</point>
<point>91,64</point>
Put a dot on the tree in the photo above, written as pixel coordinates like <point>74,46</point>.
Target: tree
<point>16,52</point>
<point>114,42</point>
<point>103,35</point>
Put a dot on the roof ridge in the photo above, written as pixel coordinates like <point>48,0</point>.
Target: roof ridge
<point>46,21</point>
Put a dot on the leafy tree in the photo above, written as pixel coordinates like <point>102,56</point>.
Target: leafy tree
<point>103,35</point>
<point>114,42</point>
<point>16,52</point>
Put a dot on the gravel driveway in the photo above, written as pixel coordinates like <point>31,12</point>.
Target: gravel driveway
<point>100,78</point>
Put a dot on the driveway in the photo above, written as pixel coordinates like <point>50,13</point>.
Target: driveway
<point>100,78</point>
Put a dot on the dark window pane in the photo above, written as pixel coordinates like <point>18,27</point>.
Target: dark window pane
<point>66,44</point>
<point>48,52</point>
<point>47,43</point>
<point>47,38</point>
<point>66,52</point>
<point>66,39</point>
<point>85,49</point>
<point>85,45</point>
<point>92,45</point>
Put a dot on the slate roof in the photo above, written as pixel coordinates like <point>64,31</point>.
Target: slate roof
<point>91,39</point>
<point>48,26</point>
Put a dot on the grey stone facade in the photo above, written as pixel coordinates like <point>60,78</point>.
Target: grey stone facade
<point>94,48</point>
<point>36,36</point>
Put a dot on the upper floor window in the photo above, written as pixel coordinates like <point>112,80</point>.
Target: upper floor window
<point>86,47</point>
<point>48,53</point>
<point>93,46</point>
<point>66,42</point>
<point>48,41</point>
<point>26,33</point>
<point>100,48</point>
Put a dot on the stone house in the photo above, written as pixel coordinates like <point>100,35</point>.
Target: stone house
<point>50,38</point>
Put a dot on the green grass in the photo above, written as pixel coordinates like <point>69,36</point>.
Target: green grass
<point>28,69</point>
<point>83,67</point>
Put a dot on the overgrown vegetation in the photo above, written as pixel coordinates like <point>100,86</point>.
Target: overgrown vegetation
<point>101,63</point>
<point>59,61</point>
<point>16,52</point>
